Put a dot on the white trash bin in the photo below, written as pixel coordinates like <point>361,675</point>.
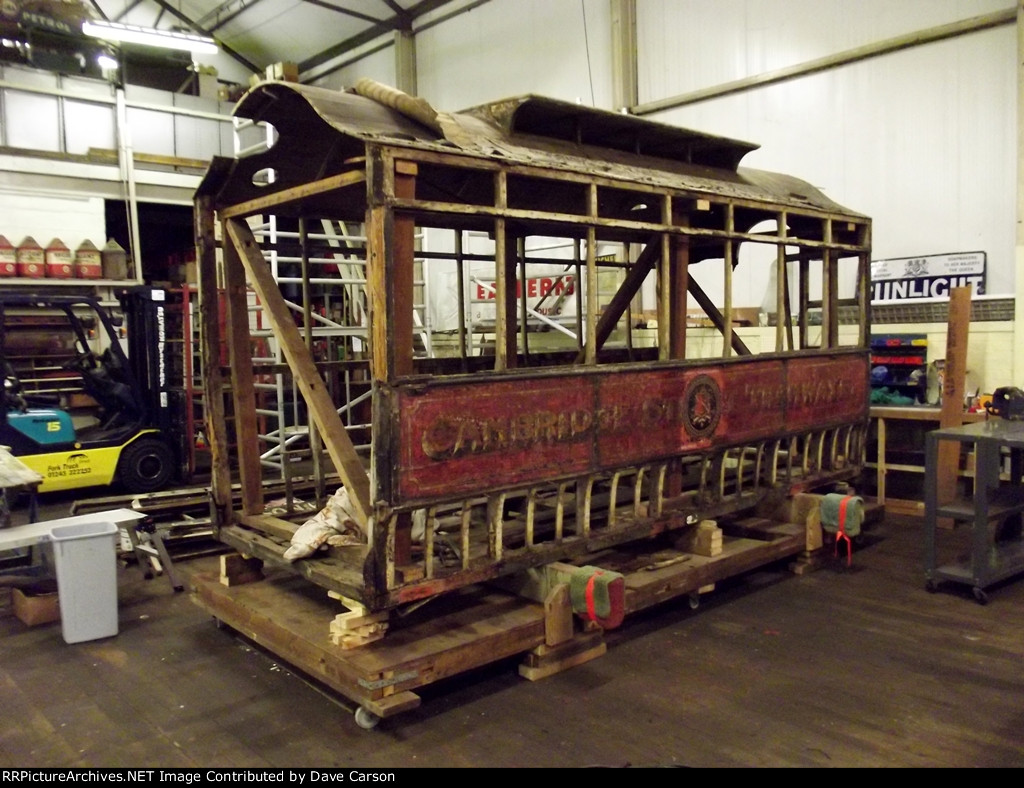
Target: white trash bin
<point>86,564</point>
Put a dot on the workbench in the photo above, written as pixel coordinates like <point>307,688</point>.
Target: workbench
<point>993,512</point>
<point>891,418</point>
<point>34,534</point>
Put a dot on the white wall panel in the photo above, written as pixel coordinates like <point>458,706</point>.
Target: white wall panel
<point>689,44</point>
<point>150,131</point>
<point>378,66</point>
<point>504,49</point>
<point>922,140</point>
<point>31,121</point>
<point>89,126</point>
<point>198,138</point>
<point>45,217</point>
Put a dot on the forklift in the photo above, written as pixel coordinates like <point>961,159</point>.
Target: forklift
<point>137,441</point>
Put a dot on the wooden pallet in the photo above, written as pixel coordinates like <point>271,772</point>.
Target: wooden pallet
<point>291,618</point>
<point>307,626</point>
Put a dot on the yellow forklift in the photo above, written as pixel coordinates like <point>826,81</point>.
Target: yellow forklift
<point>136,442</point>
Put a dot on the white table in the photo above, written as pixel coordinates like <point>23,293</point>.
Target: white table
<point>39,533</point>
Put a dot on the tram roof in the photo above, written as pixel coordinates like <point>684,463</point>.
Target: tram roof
<point>322,131</point>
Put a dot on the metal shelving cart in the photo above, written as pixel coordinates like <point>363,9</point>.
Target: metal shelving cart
<point>997,550</point>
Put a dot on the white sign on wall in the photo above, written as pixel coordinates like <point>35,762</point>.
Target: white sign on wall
<point>927,276</point>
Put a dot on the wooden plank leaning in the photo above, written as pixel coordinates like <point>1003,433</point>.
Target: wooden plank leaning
<point>953,382</point>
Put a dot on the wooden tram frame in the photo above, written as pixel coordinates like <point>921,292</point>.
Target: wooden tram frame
<point>526,467</point>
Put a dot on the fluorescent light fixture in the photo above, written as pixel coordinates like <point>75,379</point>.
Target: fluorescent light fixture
<point>149,36</point>
<point>106,62</point>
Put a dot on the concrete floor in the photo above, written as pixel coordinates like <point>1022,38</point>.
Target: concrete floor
<point>846,666</point>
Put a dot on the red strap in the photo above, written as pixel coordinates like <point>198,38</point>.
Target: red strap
<point>589,595</point>
<point>841,533</point>
<point>842,513</point>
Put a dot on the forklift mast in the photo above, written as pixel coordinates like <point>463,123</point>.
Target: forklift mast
<point>155,359</point>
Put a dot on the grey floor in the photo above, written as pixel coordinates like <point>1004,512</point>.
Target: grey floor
<point>845,667</point>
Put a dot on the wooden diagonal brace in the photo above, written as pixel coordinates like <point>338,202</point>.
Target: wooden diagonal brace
<point>716,316</point>
<point>627,290</point>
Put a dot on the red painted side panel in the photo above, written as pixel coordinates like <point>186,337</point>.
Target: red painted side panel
<point>474,436</point>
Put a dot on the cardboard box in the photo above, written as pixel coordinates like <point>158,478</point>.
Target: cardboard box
<point>35,606</point>
<point>285,72</point>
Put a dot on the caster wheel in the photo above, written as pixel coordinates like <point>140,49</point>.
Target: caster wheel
<point>694,601</point>
<point>931,586</point>
<point>980,596</point>
<point>366,719</point>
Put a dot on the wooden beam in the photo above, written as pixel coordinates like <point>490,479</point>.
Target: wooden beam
<point>593,294</point>
<point>864,286</point>
<point>783,326</point>
<point>630,287</point>
<point>505,346</point>
<point>311,384</point>
<point>243,389</point>
<point>577,220</point>
<point>399,262</point>
<point>953,382</point>
<point>275,526</point>
<point>377,227</point>
<point>208,318</point>
<point>664,284</point>
<point>293,195</point>
<point>805,300</point>
<point>728,266</point>
<point>827,314</point>
<point>715,315</point>
<point>510,277</point>
<point>680,268</point>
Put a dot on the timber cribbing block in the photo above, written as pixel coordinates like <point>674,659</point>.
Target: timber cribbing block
<point>358,626</point>
<point>545,660</point>
<point>705,539</point>
<point>237,569</point>
<point>804,508</point>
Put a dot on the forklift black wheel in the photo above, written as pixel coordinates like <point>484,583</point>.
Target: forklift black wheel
<point>145,466</point>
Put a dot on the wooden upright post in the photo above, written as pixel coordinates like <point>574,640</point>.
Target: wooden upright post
<point>953,383</point>
<point>243,379</point>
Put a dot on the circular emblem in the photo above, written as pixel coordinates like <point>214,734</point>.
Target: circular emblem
<point>703,401</point>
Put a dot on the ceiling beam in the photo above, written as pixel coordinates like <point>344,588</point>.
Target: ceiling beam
<point>125,12</point>
<point>99,10</point>
<point>374,31</point>
<point>202,31</point>
<point>215,14</point>
<point>345,11</point>
<point>399,11</point>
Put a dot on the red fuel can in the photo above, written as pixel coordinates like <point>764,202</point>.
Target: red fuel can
<point>31,258</point>
<point>88,261</point>
<point>60,262</point>
<point>8,258</point>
